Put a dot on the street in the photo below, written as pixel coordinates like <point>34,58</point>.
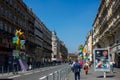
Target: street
<point>36,74</point>
<point>47,40</point>
<point>46,73</point>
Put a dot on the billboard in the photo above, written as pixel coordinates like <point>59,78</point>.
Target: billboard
<point>101,59</point>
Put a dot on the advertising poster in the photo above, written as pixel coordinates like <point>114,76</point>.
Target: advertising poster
<point>101,59</point>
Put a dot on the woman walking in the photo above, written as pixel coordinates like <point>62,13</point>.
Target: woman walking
<point>86,68</point>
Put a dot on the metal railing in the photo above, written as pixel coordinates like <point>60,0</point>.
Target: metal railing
<point>61,74</point>
<point>8,69</point>
<point>58,75</point>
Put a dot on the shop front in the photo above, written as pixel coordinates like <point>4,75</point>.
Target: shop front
<point>117,59</point>
<point>5,59</point>
<point>115,54</point>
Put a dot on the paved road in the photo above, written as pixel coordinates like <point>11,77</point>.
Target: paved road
<point>92,75</point>
<point>35,74</point>
<point>42,72</point>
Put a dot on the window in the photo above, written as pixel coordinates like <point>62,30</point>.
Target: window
<point>1,25</point>
<point>10,2</point>
<point>9,29</point>
<point>1,10</point>
<point>0,40</point>
<point>5,27</point>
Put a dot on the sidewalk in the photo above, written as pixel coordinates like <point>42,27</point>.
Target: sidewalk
<point>4,75</point>
<point>92,75</point>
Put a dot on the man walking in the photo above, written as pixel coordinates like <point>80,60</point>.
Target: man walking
<point>76,68</point>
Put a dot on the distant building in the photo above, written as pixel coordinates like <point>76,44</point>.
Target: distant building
<point>87,50</point>
<point>72,57</point>
<point>59,50</point>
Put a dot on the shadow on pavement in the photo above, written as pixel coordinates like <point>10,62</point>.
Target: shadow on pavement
<point>108,76</point>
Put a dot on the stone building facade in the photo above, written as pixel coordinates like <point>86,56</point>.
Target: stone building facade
<point>88,51</point>
<point>59,50</point>
<point>106,28</point>
<point>14,14</point>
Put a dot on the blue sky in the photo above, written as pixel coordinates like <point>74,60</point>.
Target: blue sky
<point>71,19</point>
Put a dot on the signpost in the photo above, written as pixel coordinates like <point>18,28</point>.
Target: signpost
<point>102,60</point>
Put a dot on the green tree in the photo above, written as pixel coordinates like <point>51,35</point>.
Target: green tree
<point>80,49</point>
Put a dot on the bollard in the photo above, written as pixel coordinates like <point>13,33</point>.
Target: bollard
<point>66,74</point>
<point>60,74</point>
<point>53,76</point>
<point>17,69</point>
<point>47,78</point>
<point>8,70</point>
<point>57,75</point>
<point>104,74</point>
<point>2,70</point>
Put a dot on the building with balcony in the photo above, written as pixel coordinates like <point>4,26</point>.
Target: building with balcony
<point>59,50</point>
<point>38,40</point>
<point>63,51</point>
<point>87,50</point>
<point>14,14</point>
<point>47,44</point>
<point>106,28</point>
<point>55,47</point>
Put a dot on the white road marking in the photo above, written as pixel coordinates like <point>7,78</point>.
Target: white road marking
<point>43,77</point>
<point>14,76</point>
<point>28,73</point>
<point>51,74</point>
<point>55,72</point>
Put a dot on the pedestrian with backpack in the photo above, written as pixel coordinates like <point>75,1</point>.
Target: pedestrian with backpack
<point>76,68</point>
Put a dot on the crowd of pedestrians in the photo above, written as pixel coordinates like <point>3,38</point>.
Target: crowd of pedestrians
<point>77,65</point>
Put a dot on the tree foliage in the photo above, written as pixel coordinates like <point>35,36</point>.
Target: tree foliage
<point>80,47</point>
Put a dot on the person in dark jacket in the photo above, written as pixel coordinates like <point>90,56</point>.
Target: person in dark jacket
<point>76,68</point>
<point>15,66</point>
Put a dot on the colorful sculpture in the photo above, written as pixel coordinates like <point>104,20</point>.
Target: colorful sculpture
<point>16,40</point>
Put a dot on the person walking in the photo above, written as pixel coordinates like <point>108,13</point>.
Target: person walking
<point>112,63</point>
<point>76,68</point>
<point>15,69</point>
<point>86,68</point>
